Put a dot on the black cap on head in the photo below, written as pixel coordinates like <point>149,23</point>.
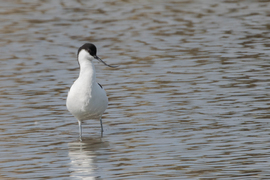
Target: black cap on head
<point>91,48</point>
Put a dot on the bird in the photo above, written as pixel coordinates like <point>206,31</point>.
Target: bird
<point>86,98</point>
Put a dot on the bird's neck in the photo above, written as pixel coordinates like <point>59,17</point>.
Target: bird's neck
<point>87,71</point>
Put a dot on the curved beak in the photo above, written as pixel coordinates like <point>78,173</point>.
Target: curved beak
<point>96,57</point>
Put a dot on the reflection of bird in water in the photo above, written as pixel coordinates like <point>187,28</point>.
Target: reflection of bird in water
<point>87,99</point>
<point>83,158</point>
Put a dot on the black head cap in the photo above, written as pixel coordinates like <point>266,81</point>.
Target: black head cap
<point>91,48</point>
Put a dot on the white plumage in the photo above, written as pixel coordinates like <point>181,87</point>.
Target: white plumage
<point>86,98</point>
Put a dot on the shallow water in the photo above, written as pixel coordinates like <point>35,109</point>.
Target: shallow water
<point>190,99</point>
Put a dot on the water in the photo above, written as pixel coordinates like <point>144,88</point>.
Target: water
<point>190,99</point>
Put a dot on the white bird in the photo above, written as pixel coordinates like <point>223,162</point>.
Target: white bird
<point>86,98</point>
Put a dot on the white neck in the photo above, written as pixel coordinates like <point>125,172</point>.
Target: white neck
<point>87,68</point>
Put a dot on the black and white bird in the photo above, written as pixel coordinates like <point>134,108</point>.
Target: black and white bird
<point>86,98</point>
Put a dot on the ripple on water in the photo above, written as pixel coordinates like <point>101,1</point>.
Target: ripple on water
<point>189,100</point>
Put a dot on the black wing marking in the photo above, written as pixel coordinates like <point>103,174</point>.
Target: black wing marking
<point>100,86</point>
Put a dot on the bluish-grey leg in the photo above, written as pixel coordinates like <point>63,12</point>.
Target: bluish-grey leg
<point>80,129</point>
<point>101,124</point>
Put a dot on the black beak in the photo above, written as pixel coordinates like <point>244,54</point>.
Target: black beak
<point>96,57</point>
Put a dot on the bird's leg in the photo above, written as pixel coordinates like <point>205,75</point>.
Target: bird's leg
<point>100,119</point>
<point>101,127</point>
<point>80,129</point>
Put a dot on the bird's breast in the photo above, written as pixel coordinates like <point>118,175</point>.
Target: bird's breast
<point>86,101</point>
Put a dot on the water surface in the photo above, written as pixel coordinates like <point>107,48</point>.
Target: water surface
<point>190,99</point>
